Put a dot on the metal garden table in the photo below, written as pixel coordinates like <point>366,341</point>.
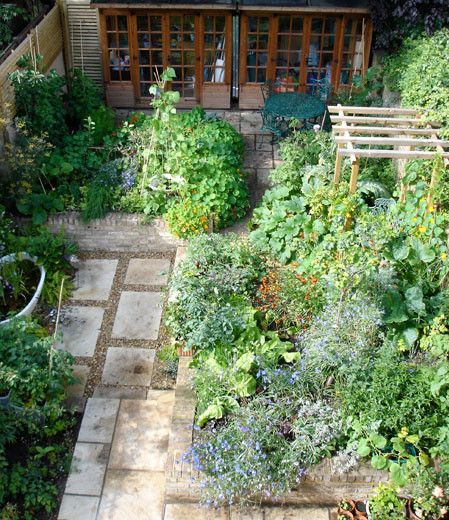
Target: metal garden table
<point>295,105</point>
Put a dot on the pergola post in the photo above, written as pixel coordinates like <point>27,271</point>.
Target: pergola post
<point>338,161</point>
<point>353,186</point>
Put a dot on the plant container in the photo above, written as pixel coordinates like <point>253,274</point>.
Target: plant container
<point>360,509</point>
<point>414,516</point>
<point>33,302</point>
<point>351,505</point>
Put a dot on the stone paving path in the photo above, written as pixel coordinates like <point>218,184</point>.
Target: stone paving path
<point>131,432</point>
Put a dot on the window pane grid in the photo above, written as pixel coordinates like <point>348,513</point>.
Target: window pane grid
<point>214,49</point>
<point>257,49</point>
<point>321,48</point>
<point>149,43</point>
<point>118,48</point>
<point>289,48</point>
<point>182,54</point>
<point>352,56</point>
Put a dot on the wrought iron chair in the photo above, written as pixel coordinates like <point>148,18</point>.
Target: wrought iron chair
<point>274,124</point>
<point>322,90</point>
<point>269,88</point>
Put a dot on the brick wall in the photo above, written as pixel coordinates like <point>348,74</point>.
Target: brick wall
<point>115,232</point>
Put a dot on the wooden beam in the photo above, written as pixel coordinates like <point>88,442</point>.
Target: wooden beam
<point>337,170</point>
<point>392,141</point>
<point>381,120</point>
<point>350,147</point>
<point>384,130</point>
<point>390,154</point>
<point>375,110</point>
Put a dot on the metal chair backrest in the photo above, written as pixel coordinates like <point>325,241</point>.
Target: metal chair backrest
<point>268,88</point>
<point>321,89</point>
<point>269,120</point>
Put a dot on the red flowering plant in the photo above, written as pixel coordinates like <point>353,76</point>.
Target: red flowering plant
<point>289,300</point>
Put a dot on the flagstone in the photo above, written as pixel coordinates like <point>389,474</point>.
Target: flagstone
<point>128,366</point>
<point>148,271</point>
<point>93,279</point>
<point>138,315</point>
<point>88,469</point>
<point>76,507</point>
<point>80,334</point>
<point>99,420</point>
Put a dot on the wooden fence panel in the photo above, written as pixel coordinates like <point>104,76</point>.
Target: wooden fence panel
<point>45,40</point>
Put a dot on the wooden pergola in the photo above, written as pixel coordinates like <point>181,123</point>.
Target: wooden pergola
<point>396,133</point>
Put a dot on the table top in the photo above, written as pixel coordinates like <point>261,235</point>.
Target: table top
<point>295,105</point>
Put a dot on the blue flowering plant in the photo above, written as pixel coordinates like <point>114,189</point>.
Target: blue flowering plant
<point>264,448</point>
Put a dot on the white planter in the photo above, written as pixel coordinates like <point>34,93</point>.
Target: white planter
<point>33,302</point>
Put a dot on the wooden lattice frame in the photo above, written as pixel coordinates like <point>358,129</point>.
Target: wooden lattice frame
<point>398,127</point>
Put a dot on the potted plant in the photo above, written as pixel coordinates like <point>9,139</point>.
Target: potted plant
<point>386,503</point>
<point>21,283</point>
<point>346,506</point>
<point>429,494</point>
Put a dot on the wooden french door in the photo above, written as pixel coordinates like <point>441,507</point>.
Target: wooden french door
<point>139,45</point>
<point>298,49</point>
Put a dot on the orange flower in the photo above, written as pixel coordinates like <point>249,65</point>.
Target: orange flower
<point>194,191</point>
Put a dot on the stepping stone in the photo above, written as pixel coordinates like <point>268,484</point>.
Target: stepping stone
<point>79,337</point>
<point>88,469</point>
<point>99,420</point>
<point>296,513</point>
<point>132,495</point>
<point>141,434</point>
<point>148,271</point>
<point>128,366</point>
<point>94,279</point>
<point>262,177</point>
<point>192,511</point>
<point>138,315</point>
<point>75,507</point>
<point>80,372</point>
<point>105,392</point>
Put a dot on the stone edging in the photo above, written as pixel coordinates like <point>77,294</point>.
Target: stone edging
<point>116,232</point>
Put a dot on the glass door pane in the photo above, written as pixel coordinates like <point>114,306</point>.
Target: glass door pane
<point>182,54</point>
<point>118,47</point>
<point>214,49</point>
<point>257,49</point>
<point>353,46</point>
<point>149,53</point>
<point>321,49</point>
<point>289,49</point>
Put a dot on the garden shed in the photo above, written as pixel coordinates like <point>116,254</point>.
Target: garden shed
<point>219,49</point>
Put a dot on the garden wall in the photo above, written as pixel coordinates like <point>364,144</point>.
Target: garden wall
<point>320,487</point>
<point>115,232</point>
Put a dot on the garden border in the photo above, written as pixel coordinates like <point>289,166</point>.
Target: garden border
<point>321,487</point>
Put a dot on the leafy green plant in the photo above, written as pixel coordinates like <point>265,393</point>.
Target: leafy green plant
<point>386,503</point>
<point>8,13</point>
<point>82,99</point>
<point>429,490</point>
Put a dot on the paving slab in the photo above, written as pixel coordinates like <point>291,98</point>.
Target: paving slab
<point>80,334</point>
<point>138,315</point>
<point>104,392</point>
<point>141,435</point>
<point>148,271</point>
<point>193,511</point>
<point>99,420</point>
<point>128,366</point>
<point>259,159</point>
<point>296,513</point>
<point>81,372</point>
<point>93,280</point>
<point>132,495</point>
<point>88,469</point>
<point>76,507</point>
<point>263,179</point>
<point>248,514</point>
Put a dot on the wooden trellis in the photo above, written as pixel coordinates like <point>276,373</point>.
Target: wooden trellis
<point>396,133</point>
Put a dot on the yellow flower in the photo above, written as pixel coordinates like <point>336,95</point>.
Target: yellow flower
<point>414,218</point>
<point>348,215</point>
<point>431,220</point>
<point>431,208</point>
<point>422,229</point>
<point>196,231</point>
<point>424,198</point>
<point>443,256</point>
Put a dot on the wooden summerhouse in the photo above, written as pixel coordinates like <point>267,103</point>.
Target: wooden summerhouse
<point>219,49</point>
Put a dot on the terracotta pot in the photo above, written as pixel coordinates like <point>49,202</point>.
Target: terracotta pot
<point>414,516</point>
<point>360,509</point>
<point>346,514</point>
<point>350,503</point>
